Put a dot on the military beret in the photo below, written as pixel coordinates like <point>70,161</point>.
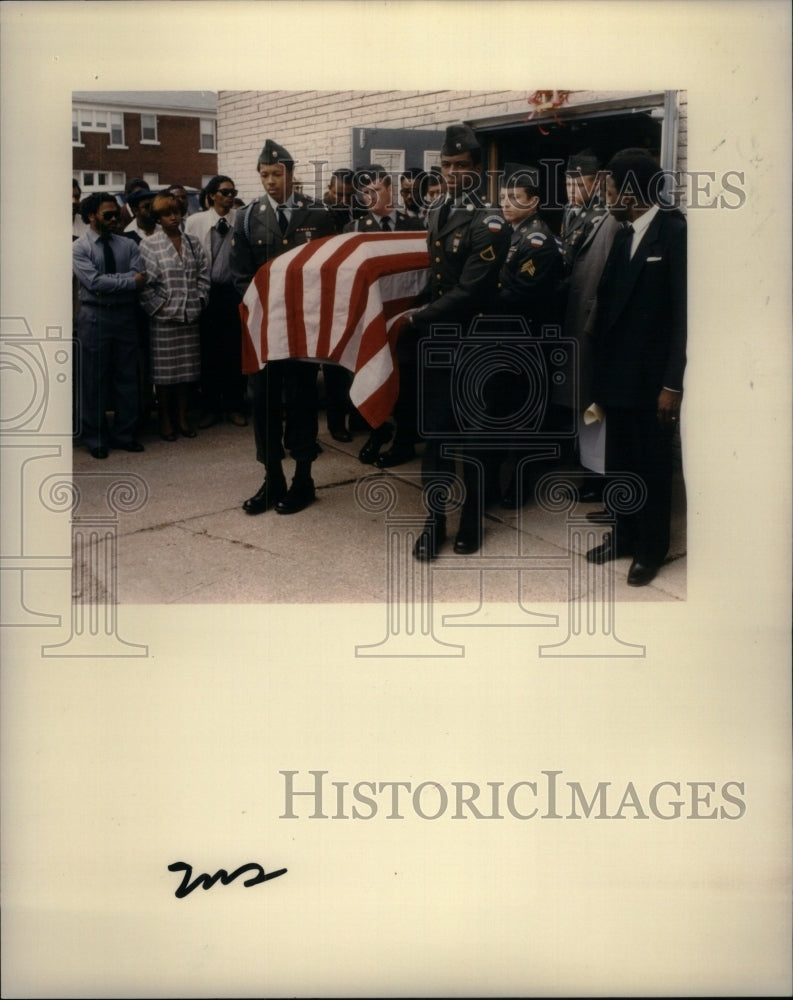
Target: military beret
<point>459,139</point>
<point>584,162</point>
<point>273,154</point>
<point>521,175</point>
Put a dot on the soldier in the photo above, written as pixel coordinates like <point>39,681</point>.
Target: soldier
<point>584,203</point>
<point>279,221</point>
<point>528,285</point>
<point>467,242</point>
<point>382,214</point>
<point>376,191</point>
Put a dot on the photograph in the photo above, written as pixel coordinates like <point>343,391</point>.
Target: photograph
<point>396,536</point>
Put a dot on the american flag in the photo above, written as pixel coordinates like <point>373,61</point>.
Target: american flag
<point>338,299</point>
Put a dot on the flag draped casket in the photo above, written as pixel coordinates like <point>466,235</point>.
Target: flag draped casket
<point>338,299</point>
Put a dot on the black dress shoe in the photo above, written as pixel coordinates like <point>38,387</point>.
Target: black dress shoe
<point>590,494</point>
<point>297,498</point>
<point>397,454</point>
<point>266,497</point>
<point>99,452</point>
<point>468,540</point>
<point>640,574</point>
<point>607,551</point>
<point>510,499</point>
<point>340,434</point>
<point>371,448</point>
<point>429,542</point>
<point>128,445</point>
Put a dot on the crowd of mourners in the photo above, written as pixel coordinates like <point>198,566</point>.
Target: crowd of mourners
<point>588,327</point>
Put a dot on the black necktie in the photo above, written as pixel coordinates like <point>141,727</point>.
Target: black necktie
<point>621,257</point>
<point>222,227</point>
<point>283,222</point>
<point>110,259</point>
<point>386,224</point>
<point>445,212</point>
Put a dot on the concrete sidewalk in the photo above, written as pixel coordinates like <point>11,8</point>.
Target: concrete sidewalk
<point>191,543</point>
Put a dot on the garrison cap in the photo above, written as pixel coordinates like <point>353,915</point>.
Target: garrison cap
<point>521,175</point>
<point>140,195</point>
<point>459,139</point>
<point>584,162</point>
<point>273,154</point>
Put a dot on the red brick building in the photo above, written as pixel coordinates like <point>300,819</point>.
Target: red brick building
<point>165,137</point>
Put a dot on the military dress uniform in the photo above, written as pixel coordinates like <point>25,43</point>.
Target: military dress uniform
<point>468,242</point>
<point>528,287</point>
<point>531,274</point>
<point>576,227</point>
<point>373,223</point>
<point>288,388</point>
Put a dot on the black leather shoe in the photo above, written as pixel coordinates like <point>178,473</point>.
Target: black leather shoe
<point>468,540</point>
<point>429,542</point>
<point>397,454</point>
<point>298,497</point>
<point>128,445</point>
<point>371,448</point>
<point>640,574</point>
<point>590,494</point>
<point>266,497</point>
<point>510,501</point>
<point>606,551</point>
<point>340,434</point>
<point>99,452</point>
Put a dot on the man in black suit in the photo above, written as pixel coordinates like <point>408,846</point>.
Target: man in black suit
<point>640,356</point>
<point>279,221</point>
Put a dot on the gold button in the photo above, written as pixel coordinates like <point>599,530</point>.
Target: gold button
<point>437,260</point>
<point>438,277</point>
<point>437,243</point>
<point>284,242</point>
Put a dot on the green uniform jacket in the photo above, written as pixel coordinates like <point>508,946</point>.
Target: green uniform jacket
<point>466,255</point>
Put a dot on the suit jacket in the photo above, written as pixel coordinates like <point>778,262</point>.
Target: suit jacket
<point>466,254</point>
<point>581,289</point>
<point>641,319</point>
<point>258,238</point>
<point>371,224</point>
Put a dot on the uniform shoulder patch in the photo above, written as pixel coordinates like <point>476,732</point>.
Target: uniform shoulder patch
<point>494,223</point>
<point>528,268</point>
<point>537,239</point>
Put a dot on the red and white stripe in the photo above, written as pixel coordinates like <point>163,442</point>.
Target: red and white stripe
<point>338,299</point>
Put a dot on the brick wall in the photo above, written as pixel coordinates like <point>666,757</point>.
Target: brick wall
<point>176,159</point>
<point>316,125</point>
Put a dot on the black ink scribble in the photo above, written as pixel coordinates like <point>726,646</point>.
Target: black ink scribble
<point>207,881</point>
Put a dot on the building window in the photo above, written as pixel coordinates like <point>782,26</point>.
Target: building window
<point>101,180</point>
<point>148,128</point>
<point>153,180</point>
<point>392,160</point>
<point>116,128</point>
<point>98,120</point>
<point>432,158</point>
<point>208,135</point>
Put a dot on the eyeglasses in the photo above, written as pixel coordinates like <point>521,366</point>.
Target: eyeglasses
<point>227,192</point>
<point>107,216</point>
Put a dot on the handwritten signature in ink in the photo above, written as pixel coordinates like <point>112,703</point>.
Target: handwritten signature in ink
<point>221,875</point>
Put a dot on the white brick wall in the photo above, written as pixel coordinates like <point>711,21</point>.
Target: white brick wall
<point>316,125</point>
